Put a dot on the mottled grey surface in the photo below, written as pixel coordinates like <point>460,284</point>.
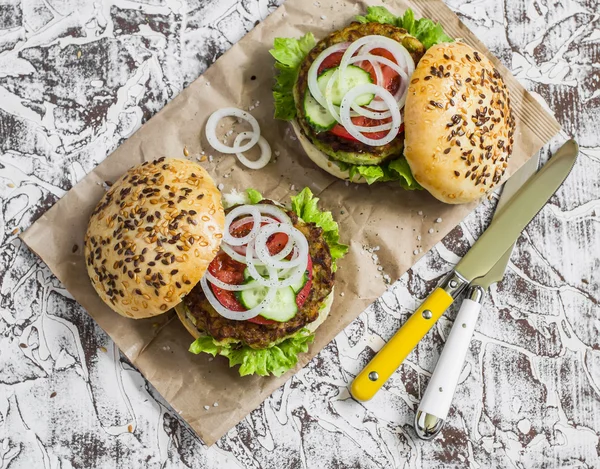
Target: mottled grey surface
<point>77,77</point>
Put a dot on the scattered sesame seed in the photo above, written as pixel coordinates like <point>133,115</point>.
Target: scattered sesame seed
<point>221,187</point>
<point>206,407</point>
<point>216,404</point>
<point>419,238</point>
<point>292,187</point>
<point>415,252</point>
<point>431,230</point>
<point>342,294</point>
<point>11,185</point>
<point>420,212</point>
<point>103,349</point>
<point>323,17</point>
<point>438,220</point>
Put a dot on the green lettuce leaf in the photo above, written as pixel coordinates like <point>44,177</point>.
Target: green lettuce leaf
<point>289,54</point>
<point>254,196</point>
<point>395,170</point>
<point>305,206</point>
<point>424,29</point>
<point>276,359</point>
<point>378,15</point>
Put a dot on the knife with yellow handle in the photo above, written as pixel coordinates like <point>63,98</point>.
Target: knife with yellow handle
<point>506,227</point>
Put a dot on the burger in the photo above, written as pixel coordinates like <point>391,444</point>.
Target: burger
<point>252,282</point>
<point>396,99</point>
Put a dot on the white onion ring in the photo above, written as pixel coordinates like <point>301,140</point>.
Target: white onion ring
<point>226,286</point>
<point>397,50</point>
<point>243,221</point>
<point>265,151</point>
<point>388,99</point>
<point>236,256</point>
<point>231,216</point>
<point>262,251</point>
<point>211,130</point>
<point>270,282</point>
<point>276,212</point>
<point>235,315</point>
<point>332,108</point>
<point>400,95</point>
<point>314,69</point>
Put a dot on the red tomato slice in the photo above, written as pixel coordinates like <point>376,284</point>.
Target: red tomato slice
<point>230,271</point>
<point>331,61</point>
<point>276,243</point>
<point>341,131</point>
<point>262,321</point>
<point>302,295</point>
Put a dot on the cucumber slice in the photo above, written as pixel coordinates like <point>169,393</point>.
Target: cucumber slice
<point>281,309</point>
<point>317,116</point>
<point>353,76</point>
<point>297,286</point>
<point>300,283</point>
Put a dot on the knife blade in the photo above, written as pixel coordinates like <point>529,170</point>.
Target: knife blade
<point>489,248</point>
<point>437,399</point>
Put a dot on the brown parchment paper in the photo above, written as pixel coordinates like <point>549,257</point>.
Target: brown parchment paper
<point>382,215</point>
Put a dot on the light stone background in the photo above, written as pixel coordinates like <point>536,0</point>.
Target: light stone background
<point>77,77</point>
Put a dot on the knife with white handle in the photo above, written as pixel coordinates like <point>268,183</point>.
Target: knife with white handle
<point>437,399</point>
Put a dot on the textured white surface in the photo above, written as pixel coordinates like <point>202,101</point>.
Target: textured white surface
<point>77,77</point>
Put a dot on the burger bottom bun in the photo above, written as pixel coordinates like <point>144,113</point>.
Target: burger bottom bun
<point>182,313</point>
<point>321,159</point>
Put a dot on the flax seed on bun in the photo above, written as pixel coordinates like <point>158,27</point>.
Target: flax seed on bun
<point>152,235</point>
<point>458,124</point>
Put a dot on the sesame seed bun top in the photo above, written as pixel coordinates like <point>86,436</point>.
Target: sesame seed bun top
<point>458,124</point>
<point>152,235</point>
